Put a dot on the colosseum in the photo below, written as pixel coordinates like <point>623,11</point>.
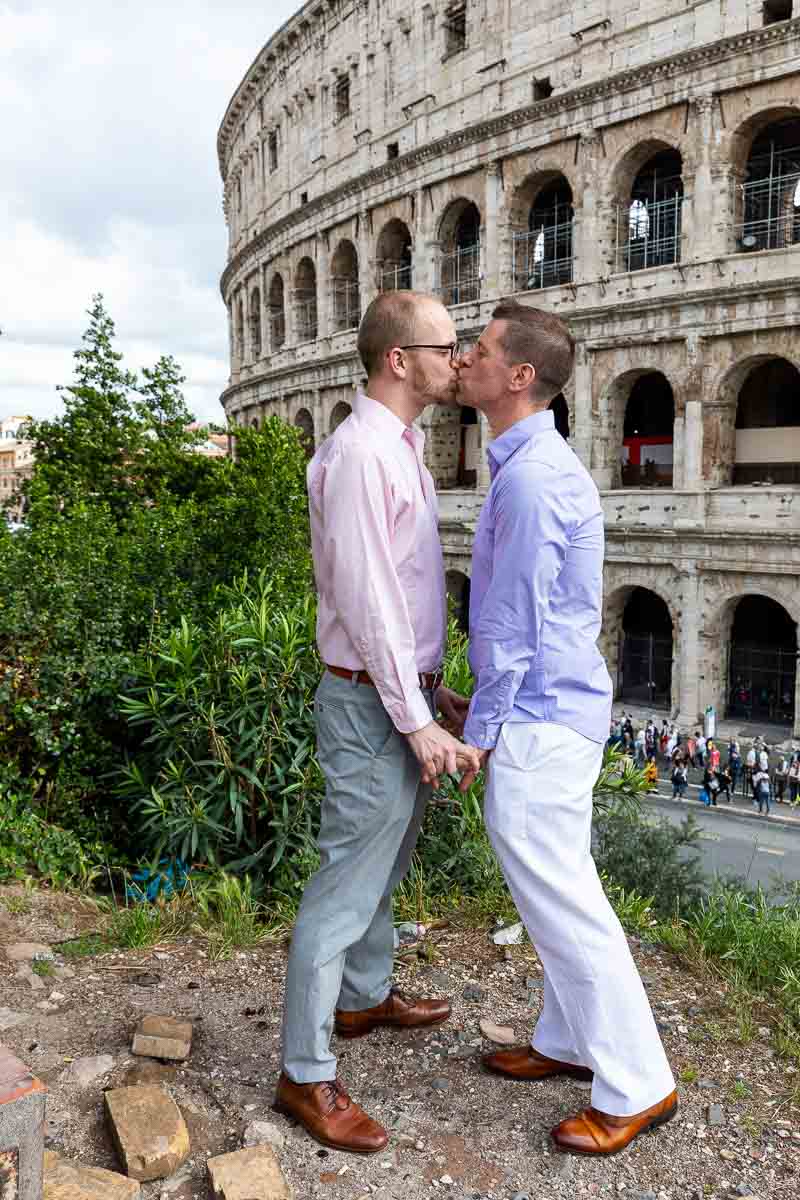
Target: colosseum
<point>632,165</point>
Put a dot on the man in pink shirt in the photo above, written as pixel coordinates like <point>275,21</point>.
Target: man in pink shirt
<point>381,630</point>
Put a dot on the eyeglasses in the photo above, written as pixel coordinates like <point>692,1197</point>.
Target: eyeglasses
<point>452,348</point>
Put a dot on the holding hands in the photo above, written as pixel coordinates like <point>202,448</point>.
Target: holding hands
<point>438,750</point>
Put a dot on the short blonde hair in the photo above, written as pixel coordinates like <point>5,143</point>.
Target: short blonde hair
<point>392,319</point>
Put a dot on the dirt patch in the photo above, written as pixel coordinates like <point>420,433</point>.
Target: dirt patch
<point>484,1136</point>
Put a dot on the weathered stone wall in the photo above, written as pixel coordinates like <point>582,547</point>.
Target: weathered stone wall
<point>429,131</point>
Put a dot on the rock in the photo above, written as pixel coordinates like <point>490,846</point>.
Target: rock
<point>84,1071</point>
<point>63,973</point>
<point>253,1174</point>
<point>473,992</point>
<point>163,1037</point>
<point>437,980</point>
<point>10,1019</point>
<point>440,1084</point>
<point>503,1035</point>
<point>64,1180</point>
<point>147,979</point>
<point>707,1084</point>
<point>265,1133</point>
<point>521,1196</point>
<point>29,952</point>
<point>34,981</point>
<point>148,1130</point>
<point>509,935</point>
<point>715,1115</point>
<point>47,1006</point>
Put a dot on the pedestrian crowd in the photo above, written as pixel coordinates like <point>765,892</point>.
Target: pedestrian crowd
<point>763,777</point>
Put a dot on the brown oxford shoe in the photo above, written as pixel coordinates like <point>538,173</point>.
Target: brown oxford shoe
<point>523,1062</point>
<point>397,1011</point>
<point>594,1132</point>
<point>326,1112</point>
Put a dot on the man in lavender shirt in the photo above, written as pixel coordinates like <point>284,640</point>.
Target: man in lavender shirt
<point>381,629</point>
<point>539,717</point>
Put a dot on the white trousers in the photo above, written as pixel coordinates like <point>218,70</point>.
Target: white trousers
<point>596,1014</point>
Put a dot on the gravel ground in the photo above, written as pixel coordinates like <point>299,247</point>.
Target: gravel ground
<point>456,1131</point>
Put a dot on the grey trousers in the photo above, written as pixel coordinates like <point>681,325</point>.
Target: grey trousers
<point>343,945</point>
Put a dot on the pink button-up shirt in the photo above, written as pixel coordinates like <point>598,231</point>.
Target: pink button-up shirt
<point>377,557</point>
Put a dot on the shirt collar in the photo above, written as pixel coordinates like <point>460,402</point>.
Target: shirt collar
<point>500,450</point>
<point>383,420</point>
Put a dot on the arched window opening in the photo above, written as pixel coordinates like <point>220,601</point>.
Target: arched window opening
<point>645,660</point>
<point>768,425</point>
<point>468,448</point>
<point>344,282</point>
<point>459,265</point>
<point>649,222</point>
<point>304,422</point>
<point>394,258</point>
<point>305,301</point>
<point>254,316</point>
<point>648,430</point>
<point>277,313</point>
<point>762,662</point>
<point>771,191</point>
<point>543,253</point>
<point>254,423</point>
<point>340,412</point>
<point>560,410</point>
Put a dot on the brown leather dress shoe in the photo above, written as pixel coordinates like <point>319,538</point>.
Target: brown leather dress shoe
<point>523,1062</point>
<point>326,1112</point>
<point>397,1011</point>
<point>594,1132</point>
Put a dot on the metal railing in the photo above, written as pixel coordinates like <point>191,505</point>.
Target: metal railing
<point>649,233</point>
<point>394,277</point>
<point>305,318</point>
<point>543,257</point>
<point>771,211</point>
<point>459,275</point>
<point>346,303</point>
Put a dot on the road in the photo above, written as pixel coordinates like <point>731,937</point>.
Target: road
<point>735,844</point>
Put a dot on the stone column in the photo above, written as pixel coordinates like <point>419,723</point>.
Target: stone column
<point>693,446</point>
<point>322,260</point>
<point>426,247</point>
<point>366,264</point>
<point>582,432</point>
<point>679,448</point>
<point>266,345</point>
<point>687,650</point>
<point>494,214</point>
<point>588,264</point>
<point>483,479</point>
<point>702,245</point>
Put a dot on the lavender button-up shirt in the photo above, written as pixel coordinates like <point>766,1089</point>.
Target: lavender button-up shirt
<point>536,596</point>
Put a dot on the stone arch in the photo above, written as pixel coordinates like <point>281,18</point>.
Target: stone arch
<point>393,257</point>
<point>765,152</point>
<point>543,217</point>
<point>636,661</point>
<point>632,155</point>
<point>340,412</point>
<point>722,447</point>
<point>277,312</point>
<point>460,256</point>
<point>344,287</point>
<point>648,190</point>
<point>304,422</point>
<point>305,300</point>
<point>626,449</point>
<point>725,671</point>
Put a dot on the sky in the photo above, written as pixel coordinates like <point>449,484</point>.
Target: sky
<point>109,183</point>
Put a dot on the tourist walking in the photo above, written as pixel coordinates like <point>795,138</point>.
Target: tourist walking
<point>724,780</point>
<point>680,780</point>
<point>699,750</point>
<point>779,779</point>
<point>541,700</point>
<point>712,755</point>
<point>749,768</point>
<point>710,786</point>
<point>735,765</point>
<point>381,629</point>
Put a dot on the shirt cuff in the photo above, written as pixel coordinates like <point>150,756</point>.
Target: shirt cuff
<point>413,715</point>
<point>481,734</point>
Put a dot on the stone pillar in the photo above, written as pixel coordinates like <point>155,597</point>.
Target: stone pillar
<point>588,264</point>
<point>426,247</point>
<point>686,649</point>
<point>494,214</point>
<point>581,438</point>
<point>22,1100</point>
<point>322,260</point>
<point>263,317</point>
<point>366,265</point>
<point>702,245</point>
<point>693,446</point>
<point>483,479</point>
